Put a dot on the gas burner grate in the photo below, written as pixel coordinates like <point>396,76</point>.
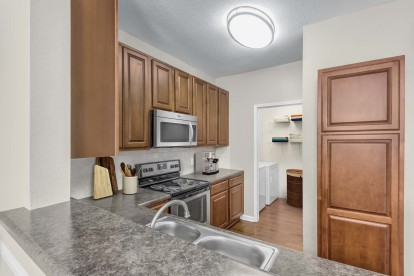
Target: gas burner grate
<point>158,187</point>
<point>172,189</point>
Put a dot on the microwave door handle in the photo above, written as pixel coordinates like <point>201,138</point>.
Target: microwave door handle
<point>191,133</point>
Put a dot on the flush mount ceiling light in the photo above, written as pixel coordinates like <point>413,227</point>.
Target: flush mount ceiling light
<point>250,27</point>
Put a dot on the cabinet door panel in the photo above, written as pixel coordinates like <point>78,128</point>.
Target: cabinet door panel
<point>162,86</point>
<point>236,202</point>
<point>360,172</point>
<point>362,97</point>
<point>212,115</point>
<point>183,92</point>
<point>360,243</point>
<point>219,209</point>
<point>200,109</point>
<point>223,118</point>
<point>136,100</point>
<point>94,78</point>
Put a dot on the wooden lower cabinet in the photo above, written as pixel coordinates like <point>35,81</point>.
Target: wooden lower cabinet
<point>219,209</point>
<point>227,202</point>
<point>236,203</point>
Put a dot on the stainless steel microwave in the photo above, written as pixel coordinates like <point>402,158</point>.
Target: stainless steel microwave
<point>172,129</point>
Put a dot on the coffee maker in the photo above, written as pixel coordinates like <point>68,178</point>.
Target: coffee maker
<point>206,162</point>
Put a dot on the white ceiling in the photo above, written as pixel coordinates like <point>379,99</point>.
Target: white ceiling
<point>195,31</point>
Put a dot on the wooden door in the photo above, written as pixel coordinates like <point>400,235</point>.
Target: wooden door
<point>236,202</point>
<point>200,109</point>
<point>183,92</point>
<point>360,160</point>
<point>136,100</point>
<point>212,115</point>
<point>162,86</point>
<point>219,209</point>
<point>223,118</point>
<point>94,78</point>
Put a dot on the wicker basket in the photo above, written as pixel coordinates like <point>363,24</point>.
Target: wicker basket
<point>294,187</point>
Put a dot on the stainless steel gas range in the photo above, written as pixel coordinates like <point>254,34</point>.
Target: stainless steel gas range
<point>165,177</point>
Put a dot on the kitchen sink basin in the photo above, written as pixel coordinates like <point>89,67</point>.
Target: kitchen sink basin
<point>240,249</point>
<point>178,229</point>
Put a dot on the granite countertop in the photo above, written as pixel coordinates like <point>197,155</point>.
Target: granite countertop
<point>144,197</point>
<point>78,238</point>
<point>223,174</point>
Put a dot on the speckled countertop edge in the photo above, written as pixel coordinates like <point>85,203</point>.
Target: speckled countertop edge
<point>215,178</point>
<point>77,238</point>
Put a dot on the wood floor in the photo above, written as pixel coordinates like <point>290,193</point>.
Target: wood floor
<point>279,223</point>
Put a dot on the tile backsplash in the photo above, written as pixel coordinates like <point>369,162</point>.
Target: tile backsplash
<point>82,169</point>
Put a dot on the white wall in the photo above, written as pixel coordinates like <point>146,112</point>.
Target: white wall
<point>287,155</point>
<point>50,102</point>
<point>14,103</point>
<point>82,169</point>
<point>380,32</point>
<point>275,84</point>
<point>148,49</point>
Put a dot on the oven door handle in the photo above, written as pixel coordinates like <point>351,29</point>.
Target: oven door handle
<point>190,196</point>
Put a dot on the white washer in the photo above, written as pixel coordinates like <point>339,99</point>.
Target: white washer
<point>271,182</point>
<point>262,186</point>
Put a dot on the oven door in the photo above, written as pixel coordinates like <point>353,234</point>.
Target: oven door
<point>170,132</point>
<point>198,205</point>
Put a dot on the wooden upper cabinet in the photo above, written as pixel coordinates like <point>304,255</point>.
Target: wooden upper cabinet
<point>364,97</point>
<point>136,100</point>
<point>212,115</point>
<point>223,118</point>
<point>94,78</point>
<point>183,92</point>
<point>200,109</point>
<point>162,86</point>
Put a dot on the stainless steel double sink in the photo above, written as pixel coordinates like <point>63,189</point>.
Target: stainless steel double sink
<point>237,248</point>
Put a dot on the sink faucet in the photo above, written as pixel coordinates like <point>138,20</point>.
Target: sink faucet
<point>168,204</point>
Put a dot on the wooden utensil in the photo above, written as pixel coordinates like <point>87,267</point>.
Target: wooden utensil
<point>134,171</point>
<point>101,184</point>
<point>127,171</point>
<point>108,162</point>
<point>123,168</point>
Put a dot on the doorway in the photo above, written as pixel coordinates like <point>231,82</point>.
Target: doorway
<point>277,147</point>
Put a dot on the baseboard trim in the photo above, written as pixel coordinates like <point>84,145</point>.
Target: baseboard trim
<point>11,261</point>
<point>248,218</point>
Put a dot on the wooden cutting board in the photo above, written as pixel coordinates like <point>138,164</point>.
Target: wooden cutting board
<point>101,183</point>
<point>108,162</point>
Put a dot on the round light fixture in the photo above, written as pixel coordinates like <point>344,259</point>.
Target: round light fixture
<point>250,27</point>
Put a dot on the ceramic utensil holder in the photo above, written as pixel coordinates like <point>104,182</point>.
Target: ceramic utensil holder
<point>130,184</point>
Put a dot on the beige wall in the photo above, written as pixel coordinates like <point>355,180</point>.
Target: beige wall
<point>275,84</point>
<point>380,32</point>
<point>14,103</point>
